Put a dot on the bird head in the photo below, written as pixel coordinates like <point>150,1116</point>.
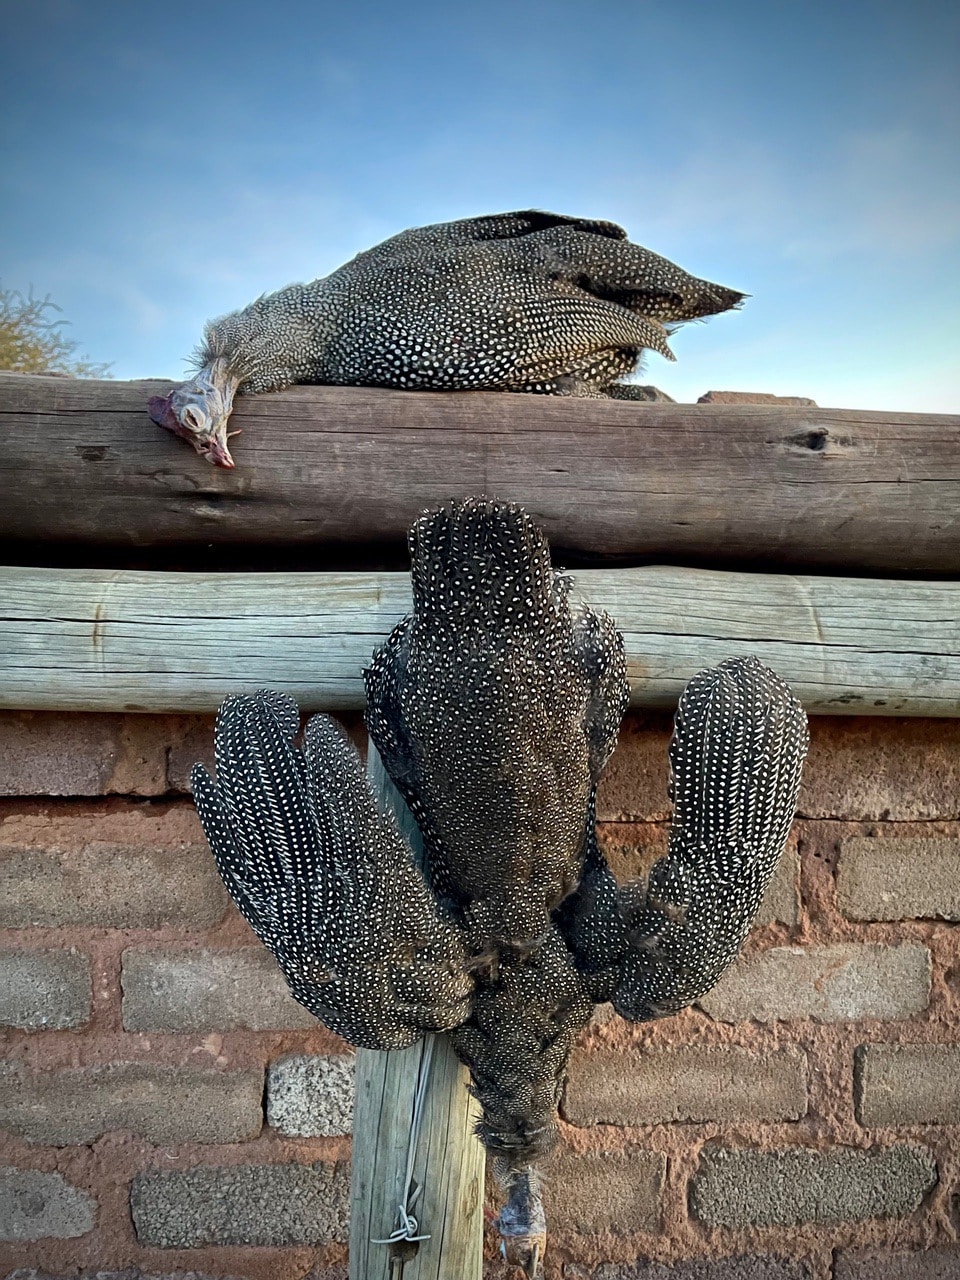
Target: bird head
<point>199,410</point>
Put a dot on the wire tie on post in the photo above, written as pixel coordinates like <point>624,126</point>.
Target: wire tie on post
<point>408,1227</point>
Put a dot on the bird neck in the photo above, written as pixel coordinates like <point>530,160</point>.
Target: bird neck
<point>279,340</point>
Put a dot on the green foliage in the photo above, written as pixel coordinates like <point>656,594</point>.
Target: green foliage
<point>31,342</point>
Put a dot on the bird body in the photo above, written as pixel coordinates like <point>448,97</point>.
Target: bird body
<point>494,707</point>
<point>526,301</point>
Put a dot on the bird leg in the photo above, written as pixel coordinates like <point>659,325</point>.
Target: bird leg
<point>198,410</point>
<point>522,1222</point>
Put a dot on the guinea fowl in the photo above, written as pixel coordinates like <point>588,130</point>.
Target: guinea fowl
<point>494,707</point>
<point>526,301</point>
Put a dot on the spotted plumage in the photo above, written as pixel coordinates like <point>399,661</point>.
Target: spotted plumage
<point>325,879</point>
<point>526,301</point>
<point>737,751</point>
<point>495,707</point>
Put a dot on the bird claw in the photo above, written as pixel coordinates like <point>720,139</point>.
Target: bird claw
<point>525,1252</point>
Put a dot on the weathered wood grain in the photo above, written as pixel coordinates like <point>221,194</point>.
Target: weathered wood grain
<point>449,1161</point>
<point>96,640</point>
<point>327,467</point>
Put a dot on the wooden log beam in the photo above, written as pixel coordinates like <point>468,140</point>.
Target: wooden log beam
<point>338,467</point>
<point>95,640</point>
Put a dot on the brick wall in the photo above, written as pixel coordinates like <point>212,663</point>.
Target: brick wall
<point>167,1110</point>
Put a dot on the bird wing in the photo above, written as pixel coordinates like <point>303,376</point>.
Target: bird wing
<point>325,879</point>
<point>736,756</point>
<point>622,272</point>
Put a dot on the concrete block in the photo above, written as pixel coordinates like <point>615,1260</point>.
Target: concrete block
<point>41,1206</point>
<point>798,1185</point>
<point>911,879</point>
<point>691,1084</point>
<point>906,1084</point>
<point>924,1264</point>
<point>162,1104</point>
<point>134,1273</point>
<point>103,884</point>
<point>616,1191</point>
<point>866,769</point>
<point>764,1266</point>
<point>310,1095</point>
<point>829,984</point>
<point>176,989</point>
<point>781,901</point>
<point>277,1204</point>
<point>58,753</point>
<point>44,990</point>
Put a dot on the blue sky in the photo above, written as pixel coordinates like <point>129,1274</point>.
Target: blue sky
<point>166,163</point>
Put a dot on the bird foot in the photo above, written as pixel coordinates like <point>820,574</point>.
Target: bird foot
<point>525,1252</point>
<point>523,1225</point>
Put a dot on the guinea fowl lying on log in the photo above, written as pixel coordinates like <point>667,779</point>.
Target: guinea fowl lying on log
<point>524,301</point>
<point>495,706</point>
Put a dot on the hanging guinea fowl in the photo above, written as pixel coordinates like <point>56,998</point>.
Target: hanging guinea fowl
<point>524,301</point>
<point>495,706</point>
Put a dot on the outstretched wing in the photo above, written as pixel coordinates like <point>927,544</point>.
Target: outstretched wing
<point>325,879</point>
<point>736,755</point>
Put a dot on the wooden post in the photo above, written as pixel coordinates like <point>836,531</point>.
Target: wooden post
<point>448,1161</point>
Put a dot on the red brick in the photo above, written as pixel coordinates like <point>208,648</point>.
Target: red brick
<point>77,754</point>
<point>867,769</point>
<point>634,784</point>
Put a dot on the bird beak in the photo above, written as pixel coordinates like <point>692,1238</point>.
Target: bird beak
<point>217,450</point>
